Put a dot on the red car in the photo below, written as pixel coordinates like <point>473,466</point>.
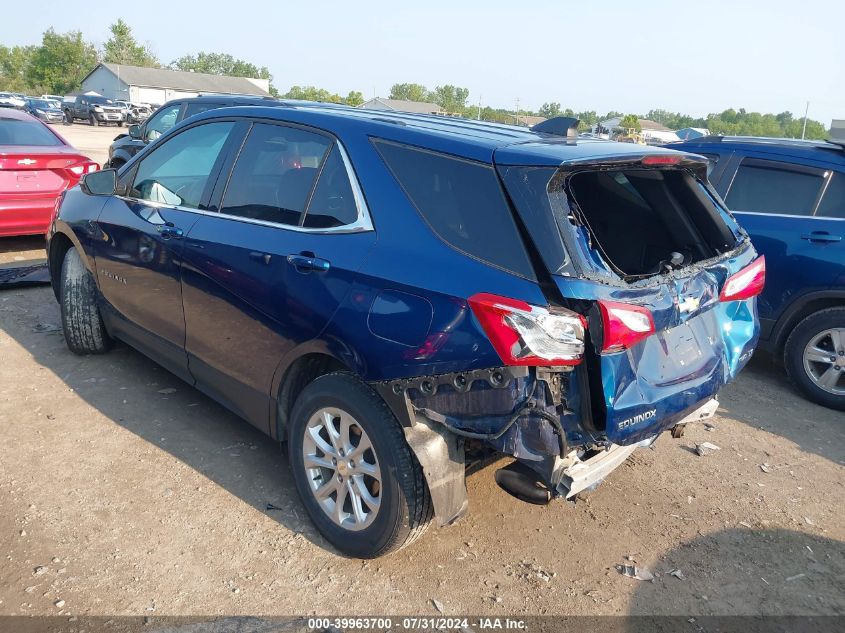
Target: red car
<point>36,166</point>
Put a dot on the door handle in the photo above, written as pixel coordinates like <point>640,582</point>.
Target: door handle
<point>261,257</point>
<point>169,230</point>
<point>821,236</point>
<point>308,262</point>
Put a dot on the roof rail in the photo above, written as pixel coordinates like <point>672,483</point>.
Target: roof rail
<point>559,126</point>
<point>831,144</point>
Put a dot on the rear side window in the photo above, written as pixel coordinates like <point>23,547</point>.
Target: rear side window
<point>462,202</point>
<point>275,174</point>
<point>15,132</point>
<point>333,202</point>
<point>833,203</point>
<point>772,187</point>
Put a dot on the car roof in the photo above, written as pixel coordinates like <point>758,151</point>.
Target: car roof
<point>807,148</point>
<point>19,115</point>
<point>464,137</point>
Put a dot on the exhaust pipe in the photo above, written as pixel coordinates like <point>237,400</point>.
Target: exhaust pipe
<point>520,481</point>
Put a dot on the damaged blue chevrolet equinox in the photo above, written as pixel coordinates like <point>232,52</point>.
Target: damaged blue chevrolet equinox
<point>403,298</point>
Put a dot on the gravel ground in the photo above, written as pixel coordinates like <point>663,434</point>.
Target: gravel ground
<point>125,491</point>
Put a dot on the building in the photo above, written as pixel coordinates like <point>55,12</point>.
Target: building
<point>158,85</point>
<point>400,105</point>
<point>649,130</point>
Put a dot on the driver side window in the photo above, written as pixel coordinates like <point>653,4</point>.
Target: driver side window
<point>176,172</point>
<point>162,121</point>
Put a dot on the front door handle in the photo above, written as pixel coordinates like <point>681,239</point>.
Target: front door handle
<point>821,236</point>
<point>169,230</point>
<point>308,262</point>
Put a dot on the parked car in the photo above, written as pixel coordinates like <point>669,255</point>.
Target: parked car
<point>95,109</point>
<point>57,98</point>
<point>400,296</point>
<point>44,109</point>
<point>36,166</point>
<point>138,113</point>
<point>11,100</point>
<point>125,146</point>
<point>790,197</point>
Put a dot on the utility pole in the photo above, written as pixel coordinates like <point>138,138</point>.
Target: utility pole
<point>478,118</point>
<point>804,127</point>
<point>517,111</point>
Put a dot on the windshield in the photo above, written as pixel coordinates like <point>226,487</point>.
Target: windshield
<point>43,104</point>
<point>16,132</point>
<point>100,100</point>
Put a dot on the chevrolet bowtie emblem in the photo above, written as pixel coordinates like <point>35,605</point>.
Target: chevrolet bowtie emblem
<point>689,304</point>
<point>26,161</point>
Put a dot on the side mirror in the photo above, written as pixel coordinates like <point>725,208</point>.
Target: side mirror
<point>135,131</point>
<point>99,183</point>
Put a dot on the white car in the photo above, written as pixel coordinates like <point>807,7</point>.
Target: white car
<point>8,100</point>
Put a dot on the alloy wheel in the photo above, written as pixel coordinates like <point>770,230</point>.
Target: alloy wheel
<point>824,360</point>
<point>342,468</point>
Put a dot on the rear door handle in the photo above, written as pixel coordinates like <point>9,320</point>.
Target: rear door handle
<point>306,263</point>
<point>821,236</point>
<point>169,230</point>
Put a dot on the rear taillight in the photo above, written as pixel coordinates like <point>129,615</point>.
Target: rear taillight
<point>81,169</point>
<point>523,334</point>
<point>747,283</point>
<point>625,325</point>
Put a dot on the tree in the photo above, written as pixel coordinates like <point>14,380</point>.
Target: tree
<point>630,122</point>
<point>220,64</point>
<point>312,93</point>
<point>410,92</point>
<point>354,98</point>
<point>122,48</point>
<point>550,110</point>
<point>13,65</point>
<point>61,62</point>
<point>451,98</point>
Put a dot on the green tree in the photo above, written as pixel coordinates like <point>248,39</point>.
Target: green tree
<point>630,122</point>
<point>220,64</point>
<point>550,110</point>
<point>354,98</point>
<point>451,98</point>
<point>122,48</point>
<point>410,92</point>
<point>61,62</point>
<point>13,65</point>
<point>312,93</point>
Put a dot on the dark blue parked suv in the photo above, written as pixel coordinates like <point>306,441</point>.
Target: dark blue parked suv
<point>399,297</point>
<point>790,197</point>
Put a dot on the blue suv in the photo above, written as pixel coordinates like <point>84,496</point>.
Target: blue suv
<point>401,297</point>
<point>790,197</point>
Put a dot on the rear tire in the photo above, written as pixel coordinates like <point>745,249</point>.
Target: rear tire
<point>83,326</point>
<point>814,357</point>
<point>384,479</point>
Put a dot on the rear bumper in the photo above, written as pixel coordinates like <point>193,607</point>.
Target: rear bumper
<point>29,216</point>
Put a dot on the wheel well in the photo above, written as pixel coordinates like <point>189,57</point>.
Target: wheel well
<point>301,372</point>
<point>802,313</point>
<point>59,245</point>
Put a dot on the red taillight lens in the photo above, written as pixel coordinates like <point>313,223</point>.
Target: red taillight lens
<point>662,159</point>
<point>523,334</point>
<point>747,283</point>
<point>625,325</point>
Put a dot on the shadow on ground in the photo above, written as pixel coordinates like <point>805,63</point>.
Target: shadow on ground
<point>751,400</point>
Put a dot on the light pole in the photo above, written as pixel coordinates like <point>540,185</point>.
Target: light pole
<point>804,127</point>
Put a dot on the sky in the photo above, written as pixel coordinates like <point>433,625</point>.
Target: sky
<point>693,57</point>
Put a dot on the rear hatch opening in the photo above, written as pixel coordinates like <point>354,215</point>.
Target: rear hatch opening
<point>645,221</point>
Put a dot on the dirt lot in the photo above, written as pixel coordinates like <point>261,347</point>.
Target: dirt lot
<point>92,142</point>
<point>126,491</point>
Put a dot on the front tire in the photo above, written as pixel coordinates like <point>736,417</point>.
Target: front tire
<point>93,120</point>
<point>814,357</point>
<point>355,473</point>
<point>83,326</point>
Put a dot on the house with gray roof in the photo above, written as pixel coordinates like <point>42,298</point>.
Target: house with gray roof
<point>400,105</point>
<point>158,85</point>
